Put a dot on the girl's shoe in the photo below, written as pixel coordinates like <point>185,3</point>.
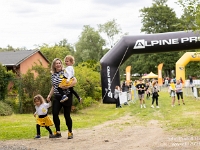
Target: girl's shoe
<point>64,98</point>
<point>51,136</point>
<point>37,136</point>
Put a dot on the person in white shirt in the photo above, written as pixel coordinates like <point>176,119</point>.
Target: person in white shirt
<point>67,79</point>
<point>116,96</point>
<point>43,120</point>
<point>179,92</point>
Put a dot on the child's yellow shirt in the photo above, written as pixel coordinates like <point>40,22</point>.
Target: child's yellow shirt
<point>173,86</point>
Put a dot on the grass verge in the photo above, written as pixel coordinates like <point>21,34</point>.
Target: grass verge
<point>180,120</point>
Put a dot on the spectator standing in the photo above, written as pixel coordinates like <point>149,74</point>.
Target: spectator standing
<point>191,83</point>
<point>123,86</point>
<point>141,91</point>
<point>126,87</point>
<point>166,82</point>
<point>172,89</point>
<point>116,96</point>
<point>155,94</point>
<point>179,92</point>
<point>147,90</point>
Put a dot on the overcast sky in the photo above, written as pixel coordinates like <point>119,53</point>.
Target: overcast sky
<point>27,23</point>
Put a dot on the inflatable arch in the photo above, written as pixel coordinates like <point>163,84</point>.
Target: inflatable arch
<point>183,61</point>
<point>140,44</point>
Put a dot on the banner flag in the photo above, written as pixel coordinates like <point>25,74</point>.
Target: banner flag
<point>128,74</point>
<point>160,81</point>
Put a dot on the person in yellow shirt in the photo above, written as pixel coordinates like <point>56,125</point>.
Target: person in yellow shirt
<point>172,91</point>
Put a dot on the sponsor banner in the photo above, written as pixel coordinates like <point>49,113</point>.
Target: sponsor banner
<point>141,43</point>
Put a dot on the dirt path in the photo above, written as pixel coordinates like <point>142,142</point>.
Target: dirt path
<point>120,134</point>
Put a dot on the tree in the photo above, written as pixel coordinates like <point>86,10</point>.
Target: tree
<point>57,51</point>
<point>191,16</point>
<point>111,29</point>
<point>5,78</point>
<point>159,18</point>
<point>89,46</point>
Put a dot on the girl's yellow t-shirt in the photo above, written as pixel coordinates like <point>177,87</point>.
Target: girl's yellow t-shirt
<point>172,86</point>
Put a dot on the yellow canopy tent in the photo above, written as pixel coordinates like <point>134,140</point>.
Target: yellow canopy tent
<point>150,75</point>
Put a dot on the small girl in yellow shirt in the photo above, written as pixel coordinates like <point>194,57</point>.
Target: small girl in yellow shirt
<point>172,91</point>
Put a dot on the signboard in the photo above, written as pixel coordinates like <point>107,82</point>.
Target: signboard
<point>123,97</point>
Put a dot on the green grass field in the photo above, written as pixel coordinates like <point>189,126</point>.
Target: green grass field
<point>181,120</point>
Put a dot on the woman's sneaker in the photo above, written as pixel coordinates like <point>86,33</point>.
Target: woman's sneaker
<point>64,98</point>
<point>56,135</point>
<point>70,135</point>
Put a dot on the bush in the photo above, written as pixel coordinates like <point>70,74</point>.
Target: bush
<point>88,82</point>
<point>5,78</point>
<point>13,102</point>
<point>5,109</point>
<point>87,102</point>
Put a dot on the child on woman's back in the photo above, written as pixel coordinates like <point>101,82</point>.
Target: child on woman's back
<point>68,78</point>
<point>43,119</point>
